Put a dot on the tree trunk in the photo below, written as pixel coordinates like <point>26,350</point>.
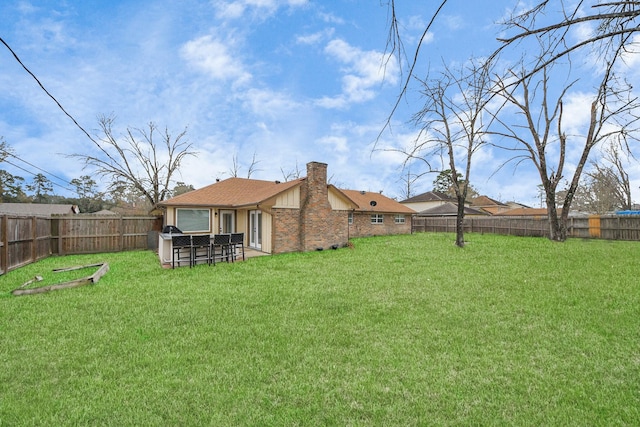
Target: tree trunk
<point>460,223</point>
<point>557,225</point>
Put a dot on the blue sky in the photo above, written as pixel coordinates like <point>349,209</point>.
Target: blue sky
<point>292,81</point>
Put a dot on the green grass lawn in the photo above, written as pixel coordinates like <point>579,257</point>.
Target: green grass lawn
<point>402,330</point>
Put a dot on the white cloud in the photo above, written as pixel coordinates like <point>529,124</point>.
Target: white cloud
<point>454,22</point>
<point>214,58</point>
<point>315,38</point>
<point>263,8</point>
<point>336,143</point>
<point>268,103</point>
<point>363,72</point>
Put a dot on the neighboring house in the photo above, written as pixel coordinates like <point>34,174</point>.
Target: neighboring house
<point>516,205</point>
<point>300,215</point>
<point>37,209</point>
<point>538,213</point>
<point>377,215</point>
<point>490,205</point>
<point>428,200</point>
<point>450,209</point>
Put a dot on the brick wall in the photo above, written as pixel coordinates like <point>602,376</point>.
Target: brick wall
<point>286,223</point>
<point>321,227</point>
<point>362,226</point>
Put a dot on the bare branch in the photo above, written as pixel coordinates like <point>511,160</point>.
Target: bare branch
<point>138,160</point>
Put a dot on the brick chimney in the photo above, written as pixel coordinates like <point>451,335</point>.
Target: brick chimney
<point>319,224</point>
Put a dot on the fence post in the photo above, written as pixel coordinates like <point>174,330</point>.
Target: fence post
<point>121,228</point>
<point>62,232</point>
<point>34,239</point>
<point>4,244</point>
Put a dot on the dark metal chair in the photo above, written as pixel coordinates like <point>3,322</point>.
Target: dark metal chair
<point>220,247</point>
<point>181,246</point>
<point>237,245</point>
<point>200,248</point>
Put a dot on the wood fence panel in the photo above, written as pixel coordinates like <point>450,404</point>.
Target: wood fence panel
<point>105,233</point>
<point>4,245</point>
<point>24,240</point>
<point>612,227</point>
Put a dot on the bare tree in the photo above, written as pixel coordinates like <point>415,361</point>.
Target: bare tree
<point>614,156</point>
<point>408,181</point>
<point>253,167</point>
<point>234,171</point>
<point>292,174</point>
<point>137,159</point>
<point>614,23</point>
<point>453,128</point>
<point>541,137</point>
<point>547,24</point>
<point>608,187</point>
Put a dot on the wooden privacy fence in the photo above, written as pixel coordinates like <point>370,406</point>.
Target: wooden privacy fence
<point>611,227</point>
<point>24,240</point>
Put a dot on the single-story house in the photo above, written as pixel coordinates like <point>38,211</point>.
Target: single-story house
<point>490,205</point>
<point>450,209</point>
<point>300,215</point>
<point>37,209</point>
<point>428,200</point>
<point>538,213</point>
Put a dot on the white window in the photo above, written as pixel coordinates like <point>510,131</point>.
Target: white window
<point>350,217</point>
<point>399,219</point>
<point>377,219</point>
<point>193,220</point>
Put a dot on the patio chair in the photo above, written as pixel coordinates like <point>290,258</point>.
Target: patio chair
<point>200,248</point>
<point>181,249</point>
<point>220,247</point>
<point>237,245</point>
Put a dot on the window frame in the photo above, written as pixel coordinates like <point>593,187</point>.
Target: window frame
<point>400,219</point>
<point>185,229</point>
<point>377,218</point>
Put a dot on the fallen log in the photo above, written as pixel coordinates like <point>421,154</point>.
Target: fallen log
<point>94,278</point>
<point>77,267</point>
<point>28,282</point>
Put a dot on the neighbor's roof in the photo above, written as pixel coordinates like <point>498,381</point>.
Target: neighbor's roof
<point>526,212</point>
<point>450,209</point>
<point>382,203</point>
<point>232,192</point>
<point>37,209</point>
<point>429,196</point>
<point>486,201</point>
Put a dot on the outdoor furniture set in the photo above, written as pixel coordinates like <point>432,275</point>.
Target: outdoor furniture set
<point>194,248</point>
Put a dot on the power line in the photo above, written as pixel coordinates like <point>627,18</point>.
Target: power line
<point>34,166</point>
<point>27,171</point>
<point>17,58</point>
<point>15,55</point>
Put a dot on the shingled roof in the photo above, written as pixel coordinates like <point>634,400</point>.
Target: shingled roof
<point>450,209</point>
<point>382,203</point>
<point>232,192</point>
<point>242,192</point>
<point>487,201</point>
<point>37,209</point>
<point>429,196</point>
